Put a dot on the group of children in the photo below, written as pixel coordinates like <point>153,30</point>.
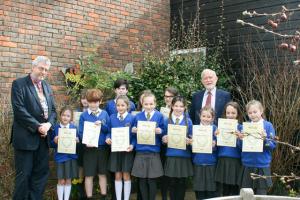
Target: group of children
<point>219,173</point>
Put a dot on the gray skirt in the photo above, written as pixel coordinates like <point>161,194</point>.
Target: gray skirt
<point>95,161</point>
<point>67,169</point>
<point>120,161</point>
<point>178,167</point>
<point>261,183</point>
<point>228,170</point>
<point>147,165</point>
<point>204,178</point>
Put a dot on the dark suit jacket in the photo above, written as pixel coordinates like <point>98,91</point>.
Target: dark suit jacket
<point>222,98</point>
<point>28,113</point>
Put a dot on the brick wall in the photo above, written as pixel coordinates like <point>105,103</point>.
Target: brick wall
<point>64,29</point>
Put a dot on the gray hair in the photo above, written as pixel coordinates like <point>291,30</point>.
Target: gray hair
<point>41,59</point>
<point>208,71</point>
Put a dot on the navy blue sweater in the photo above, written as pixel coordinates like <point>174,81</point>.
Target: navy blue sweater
<point>260,159</point>
<point>112,109</point>
<point>159,119</point>
<point>61,157</point>
<point>103,117</point>
<point>179,152</point>
<point>206,158</point>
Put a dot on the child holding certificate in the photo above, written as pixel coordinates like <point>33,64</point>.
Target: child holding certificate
<point>229,158</point>
<point>121,88</point>
<point>205,163</point>
<point>66,163</point>
<point>258,162</point>
<point>94,158</point>
<point>147,164</point>
<point>121,162</point>
<point>178,165</point>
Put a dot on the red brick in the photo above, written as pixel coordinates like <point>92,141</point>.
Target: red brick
<point>8,44</point>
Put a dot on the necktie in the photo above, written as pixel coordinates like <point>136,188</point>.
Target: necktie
<point>148,116</point>
<point>177,121</point>
<point>208,99</point>
<point>95,113</point>
<point>121,118</point>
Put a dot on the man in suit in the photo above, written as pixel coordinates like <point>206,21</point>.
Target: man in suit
<point>211,96</point>
<point>34,115</point>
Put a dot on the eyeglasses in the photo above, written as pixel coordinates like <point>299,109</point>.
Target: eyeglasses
<point>168,96</point>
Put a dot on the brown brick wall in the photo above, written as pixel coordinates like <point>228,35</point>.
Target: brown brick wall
<point>64,29</point>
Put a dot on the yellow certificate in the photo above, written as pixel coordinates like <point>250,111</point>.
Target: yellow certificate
<point>146,132</point>
<point>202,139</point>
<point>252,141</point>
<point>134,113</point>
<point>165,111</point>
<point>226,129</point>
<point>176,136</point>
<point>120,139</point>
<point>66,141</point>
<point>76,116</point>
<point>91,133</point>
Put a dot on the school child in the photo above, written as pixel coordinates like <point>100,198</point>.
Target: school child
<point>95,158</point>
<point>178,165</point>
<point>147,164</point>
<point>140,103</point>
<point>121,162</point>
<point>66,163</point>
<point>258,162</point>
<point>205,163</point>
<point>121,88</point>
<point>229,158</point>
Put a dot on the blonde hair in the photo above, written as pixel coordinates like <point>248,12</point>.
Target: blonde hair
<point>125,99</point>
<point>208,109</point>
<point>255,103</point>
<point>148,94</point>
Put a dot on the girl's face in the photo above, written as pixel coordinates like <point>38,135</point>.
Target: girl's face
<point>178,108</point>
<point>255,113</point>
<point>84,103</point>
<point>66,117</point>
<point>231,112</point>
<point>149,104</point>
<point>168,98</point>
<point>206,118</point>
<point>121,106</point>
<point>94,105</point>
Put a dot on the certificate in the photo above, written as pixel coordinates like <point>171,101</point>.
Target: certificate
<point>165,111</point>
<point>202,139</point>
<point>146,132</point>
<point>134,113</point>
<point>252,141</point>
<point>176,136</point>
<point>120,139</point>
<point>66,141</point>
<point>91,133</point>
<point>226,129</point>
<point>76,116</point>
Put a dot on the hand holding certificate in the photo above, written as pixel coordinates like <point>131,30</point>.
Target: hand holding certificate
<point>146,132</point>
<point>120,139</point>
<point>202,139</point>
<point>165,111</point>
<point>176,136</point>
<point>91,133</point>
<point>252,141</point>
<point>66,141</point>
<point>226,128</point>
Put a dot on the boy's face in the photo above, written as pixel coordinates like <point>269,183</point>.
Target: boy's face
<point>94,105</point>
<point>122,90</point>
<point>149,104</point>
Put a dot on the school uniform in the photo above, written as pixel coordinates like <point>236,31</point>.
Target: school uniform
<point>111,107</point>
<point>229,168</point>
<point>204,172</point>
<point>95,159</point>
<point>178,165</point>
<point>121,161</point>
<point>80,146</point>
<point>258,163</point>
<point>147,165</point>
<point>66,163</point>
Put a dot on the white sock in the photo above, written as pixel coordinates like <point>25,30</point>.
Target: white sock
<point>127,189</point>
<point>60,192</point>
<point>67,192</point>
<point>118,188</point>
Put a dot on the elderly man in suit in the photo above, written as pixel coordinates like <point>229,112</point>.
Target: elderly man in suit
<point>211,96</point>
<point>34,115</point>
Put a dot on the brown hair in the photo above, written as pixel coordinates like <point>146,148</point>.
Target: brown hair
<point>94,95</point>
<point>237,107</point>
<point>208,109</point>
<point>172,90</point>
<point>125,99</point>
<point>64,109</point>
